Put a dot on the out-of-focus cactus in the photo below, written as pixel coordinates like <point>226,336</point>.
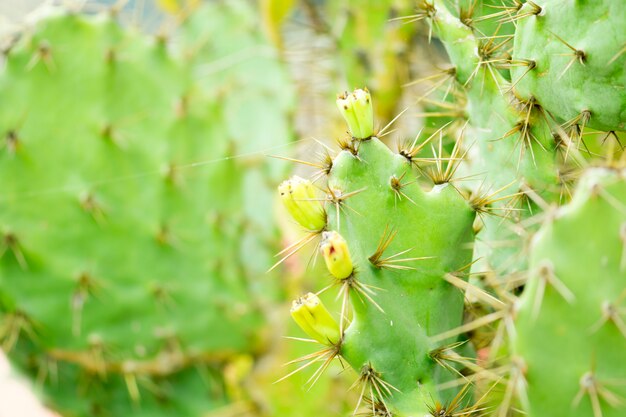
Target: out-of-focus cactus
<point>130,269</point>
<point>571,328</point>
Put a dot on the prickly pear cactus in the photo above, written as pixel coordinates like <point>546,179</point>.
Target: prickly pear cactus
<point>124,281</point>
<point>528,97</point>
<point>572,311</point>
<point>577,75</point>
<point>388,244</point>
<point>511,145</point>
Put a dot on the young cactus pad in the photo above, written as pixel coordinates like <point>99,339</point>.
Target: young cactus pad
<point>388,243</point>
<point>571,324</point>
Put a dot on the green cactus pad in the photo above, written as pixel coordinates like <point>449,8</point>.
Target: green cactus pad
<point>121,256</point>
<point>416,303</point>
<point>389,242</point>
<point>578,48</point>
<point>512,143</point>
<point>571,337</point>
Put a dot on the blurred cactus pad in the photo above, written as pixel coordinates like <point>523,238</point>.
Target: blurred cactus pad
<point>131,270</point>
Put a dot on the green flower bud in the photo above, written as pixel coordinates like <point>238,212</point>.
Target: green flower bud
<point>298,196</point>
<point>336,255</point>
<point>313,317</point>
<point>357,110</point>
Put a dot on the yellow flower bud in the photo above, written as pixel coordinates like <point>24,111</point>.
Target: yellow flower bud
<point>356,108</point>
<point>336,255</point>
<point>313,317</point>
<point>298,196</point>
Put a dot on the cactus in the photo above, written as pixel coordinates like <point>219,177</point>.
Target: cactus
<point>514,143</point>
<point>578,75</point>
<point>528,126</point>
<point>124,281</point>
<point>388,244</point>
<point>571,329</point>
